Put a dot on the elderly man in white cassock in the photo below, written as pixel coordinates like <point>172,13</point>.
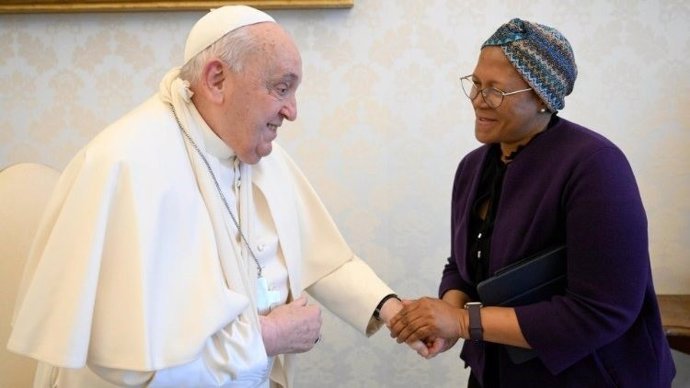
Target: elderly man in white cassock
<point>177,245</point>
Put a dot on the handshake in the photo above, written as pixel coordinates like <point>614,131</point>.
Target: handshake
<point>428,325</point>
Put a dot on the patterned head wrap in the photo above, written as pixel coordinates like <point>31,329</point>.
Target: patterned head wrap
<point>542,56</point>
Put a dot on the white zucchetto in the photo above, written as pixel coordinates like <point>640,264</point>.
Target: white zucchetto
<point>215,24</point>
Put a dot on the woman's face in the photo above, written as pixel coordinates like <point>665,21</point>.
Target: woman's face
<point>517,119</point>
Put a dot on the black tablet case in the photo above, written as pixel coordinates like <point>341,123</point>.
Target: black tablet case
<point>530,280</point>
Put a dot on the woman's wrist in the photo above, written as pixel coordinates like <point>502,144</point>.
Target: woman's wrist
<point>464,324</point>
<point>455,298</point>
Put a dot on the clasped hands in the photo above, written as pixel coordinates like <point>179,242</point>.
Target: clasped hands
<point>435,324</point>
<point>429,326</point>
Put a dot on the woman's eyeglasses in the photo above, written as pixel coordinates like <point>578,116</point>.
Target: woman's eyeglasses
<point>492,96</point>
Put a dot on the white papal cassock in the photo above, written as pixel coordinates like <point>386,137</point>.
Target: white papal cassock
<point>136,266</point>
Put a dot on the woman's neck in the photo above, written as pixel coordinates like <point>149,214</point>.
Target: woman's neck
<point>509,150</point>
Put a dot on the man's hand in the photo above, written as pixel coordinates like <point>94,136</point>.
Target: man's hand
<point>291,328</point>
<point>438,345</point>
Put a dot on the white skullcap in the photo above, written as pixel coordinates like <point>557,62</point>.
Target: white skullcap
<point>215,24</point>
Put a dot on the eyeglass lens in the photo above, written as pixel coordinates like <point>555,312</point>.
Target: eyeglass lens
<point>491,96</point>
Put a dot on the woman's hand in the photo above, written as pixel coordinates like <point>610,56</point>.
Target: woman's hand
<point>389,310</point>
<point>438,324</point>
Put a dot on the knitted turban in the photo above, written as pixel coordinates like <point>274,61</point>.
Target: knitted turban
<point>542,56</point>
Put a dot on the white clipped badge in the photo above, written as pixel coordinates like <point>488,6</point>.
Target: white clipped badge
<point>265,297</point>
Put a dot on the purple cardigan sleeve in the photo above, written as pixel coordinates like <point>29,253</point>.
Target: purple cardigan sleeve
<point>454,278</point>
<point>608,264</point>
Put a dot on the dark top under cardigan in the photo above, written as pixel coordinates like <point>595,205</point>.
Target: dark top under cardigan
<point>569,185</point>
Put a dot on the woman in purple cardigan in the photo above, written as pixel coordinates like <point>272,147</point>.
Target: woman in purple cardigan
<point>540,181</point>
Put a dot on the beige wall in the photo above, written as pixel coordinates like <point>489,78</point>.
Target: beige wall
<point>382,124</point>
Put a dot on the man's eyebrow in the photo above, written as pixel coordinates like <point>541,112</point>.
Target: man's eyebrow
<point>289,77</point>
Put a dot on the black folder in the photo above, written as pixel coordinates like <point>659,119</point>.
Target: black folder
<point>535,278</point>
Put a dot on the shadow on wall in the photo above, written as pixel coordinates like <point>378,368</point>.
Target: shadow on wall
<point>682,361</point>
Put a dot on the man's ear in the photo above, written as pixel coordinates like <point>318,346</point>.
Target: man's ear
<point>213,80</point>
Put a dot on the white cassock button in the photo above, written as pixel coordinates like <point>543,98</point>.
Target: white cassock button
<point>261,247</point>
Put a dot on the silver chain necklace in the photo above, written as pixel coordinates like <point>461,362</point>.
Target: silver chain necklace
<point>220,192</point>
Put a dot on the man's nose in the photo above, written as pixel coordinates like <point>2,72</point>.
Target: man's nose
<point>289,109</point>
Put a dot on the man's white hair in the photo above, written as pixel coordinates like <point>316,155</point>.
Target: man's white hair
<point>233,48</point>
<point>221,33</point>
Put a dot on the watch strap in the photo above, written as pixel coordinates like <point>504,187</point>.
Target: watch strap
<point>377,311</point>
<point>476,330</point>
